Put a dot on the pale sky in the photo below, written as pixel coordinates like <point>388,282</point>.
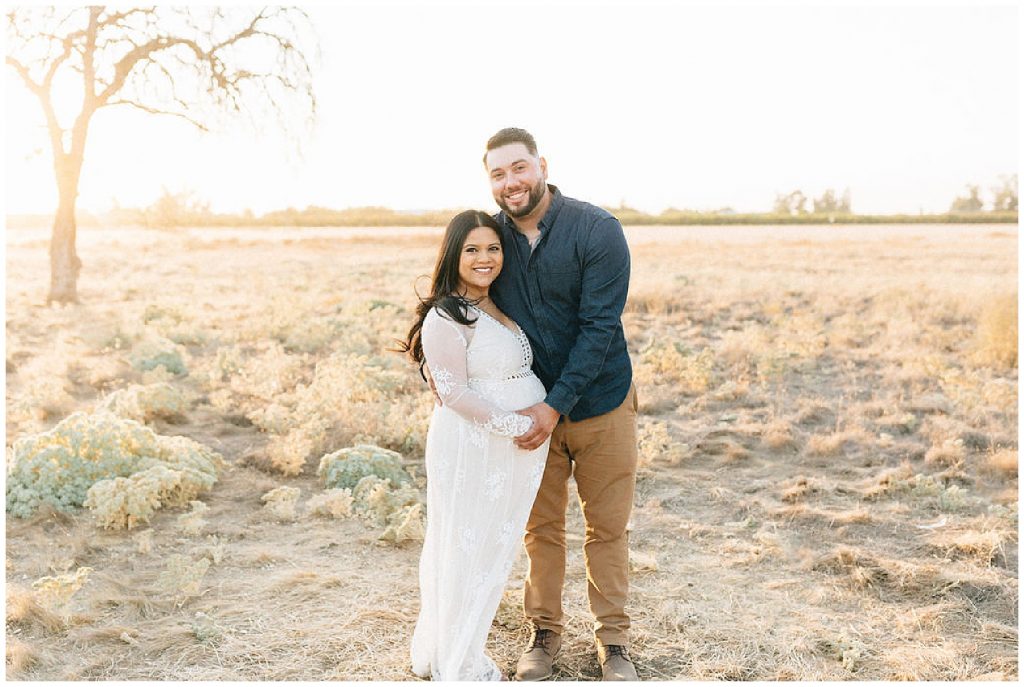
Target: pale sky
<point>656,104</point>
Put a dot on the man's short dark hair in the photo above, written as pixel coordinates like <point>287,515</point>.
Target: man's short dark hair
<point>511,135</point>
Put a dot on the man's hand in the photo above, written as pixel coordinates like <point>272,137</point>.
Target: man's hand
<point>544,420</point>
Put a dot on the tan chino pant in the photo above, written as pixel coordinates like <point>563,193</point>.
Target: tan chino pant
<point>601,454</point>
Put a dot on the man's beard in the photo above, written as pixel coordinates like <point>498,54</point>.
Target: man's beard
<point>533,200</point>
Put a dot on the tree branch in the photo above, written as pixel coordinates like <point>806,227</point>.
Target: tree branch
<point>24,74</point>
<point>153,110</point>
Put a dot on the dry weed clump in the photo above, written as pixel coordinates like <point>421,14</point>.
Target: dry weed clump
<point>980,547</point>
<point>950,452</point>
<point>897,424</point>
<point>333,503</point>
<point>144,542</point>
<point>888,482</point>
<point>778,435</point>
<point>671,364</point>
<point>272,418</point>
<point>288,453</point>
<point>45,380</point>
<point>20,657</point>
<point>799,487</point>
<point>1002,462</point>
<point>55,592</point>
<point>731,391</point>
<point>933,491</point>
<point>835,444</point>
<point>866,570</point>
<point>975,393</point>
<point>828,518</point>
<point>147,402</point>
<point>655,444</point>
<point>643,561</point>
<point>745,346</point>
<point>25,610</point>
<point>400,510</point>
<point>280,502</point>
<point>996,338</point>
<point>192,523</point>
<point>182,576</point>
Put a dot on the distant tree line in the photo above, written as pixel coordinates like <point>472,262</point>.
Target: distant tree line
<point>795,203</point>
<point>186,209</point>
<point>1004,197</point>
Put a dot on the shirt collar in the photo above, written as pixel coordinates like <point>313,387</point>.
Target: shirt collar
<point>549,216</point>
<point>553,208</point>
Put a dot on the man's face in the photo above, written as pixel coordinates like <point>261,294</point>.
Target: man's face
<point>518,179</point>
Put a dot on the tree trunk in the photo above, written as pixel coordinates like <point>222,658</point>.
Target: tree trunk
<point>64,262</point>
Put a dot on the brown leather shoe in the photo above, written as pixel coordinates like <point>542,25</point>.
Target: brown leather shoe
<point>536,662</point>
<point>616,663</point>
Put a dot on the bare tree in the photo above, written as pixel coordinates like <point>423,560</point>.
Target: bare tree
<point>969,204</point>
<point>829,203</point>
<point>794,203</point>
<point>1004,196</point>
<point>193,63</point>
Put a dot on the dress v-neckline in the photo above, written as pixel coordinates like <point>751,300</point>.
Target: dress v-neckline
<point>516,334</point>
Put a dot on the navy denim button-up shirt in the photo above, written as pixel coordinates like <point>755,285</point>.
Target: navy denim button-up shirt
<point>567,294</point>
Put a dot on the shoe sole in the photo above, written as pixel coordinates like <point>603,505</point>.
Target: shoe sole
<point>540,679</point>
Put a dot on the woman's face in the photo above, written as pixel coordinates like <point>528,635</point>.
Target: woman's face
<point>480,262</point>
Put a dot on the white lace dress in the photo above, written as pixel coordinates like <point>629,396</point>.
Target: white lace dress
<point>480,489</point>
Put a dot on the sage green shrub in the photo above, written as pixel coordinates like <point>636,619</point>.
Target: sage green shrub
<point>344,468</point>
<point>59,466</point>
<point>156,351</point>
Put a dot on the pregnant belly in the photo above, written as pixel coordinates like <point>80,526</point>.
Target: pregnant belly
<point>512,394</point>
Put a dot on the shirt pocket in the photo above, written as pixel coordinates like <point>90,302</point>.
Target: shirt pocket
<point>560,284</point>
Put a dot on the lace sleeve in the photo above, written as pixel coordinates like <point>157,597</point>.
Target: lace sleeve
<point>444,347</point>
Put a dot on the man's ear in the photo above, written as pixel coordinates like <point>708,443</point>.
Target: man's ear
<point>544,168</point>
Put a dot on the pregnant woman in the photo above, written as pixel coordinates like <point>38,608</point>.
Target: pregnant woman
<point>480,487</point>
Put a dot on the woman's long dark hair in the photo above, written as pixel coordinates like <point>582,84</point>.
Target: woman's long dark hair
<point>444,286</point>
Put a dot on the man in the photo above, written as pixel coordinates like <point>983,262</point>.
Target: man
<point>565,280</point>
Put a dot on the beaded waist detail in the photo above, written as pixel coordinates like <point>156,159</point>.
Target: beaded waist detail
<point>523,374</point>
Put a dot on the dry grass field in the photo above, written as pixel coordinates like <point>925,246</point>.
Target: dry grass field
<point>828,488</point>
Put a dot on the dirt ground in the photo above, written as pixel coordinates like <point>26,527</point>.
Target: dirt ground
<point>828,485</point>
